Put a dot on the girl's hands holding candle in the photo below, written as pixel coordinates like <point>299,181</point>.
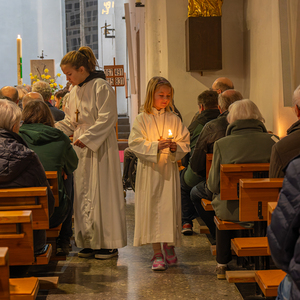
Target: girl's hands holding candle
<point>173,147</point>
<point>162,144</point>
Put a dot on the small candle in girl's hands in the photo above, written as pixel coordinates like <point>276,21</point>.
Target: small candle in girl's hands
<point>170,135</point>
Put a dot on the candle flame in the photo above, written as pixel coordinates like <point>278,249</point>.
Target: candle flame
<point>19,36</point>
<point>170,133</point>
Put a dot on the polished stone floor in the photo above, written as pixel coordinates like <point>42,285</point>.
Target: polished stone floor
<point>129,276</point>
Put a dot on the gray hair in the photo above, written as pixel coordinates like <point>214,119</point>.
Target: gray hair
<point>226,98</point>
<point>43,88</point>
<point>244,109</point>
<point>10,114</point>
<point>296,97</point>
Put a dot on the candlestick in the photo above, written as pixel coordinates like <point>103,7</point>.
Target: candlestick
<point>19,60</point>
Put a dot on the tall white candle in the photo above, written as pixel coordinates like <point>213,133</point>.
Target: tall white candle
<point>19,60</point>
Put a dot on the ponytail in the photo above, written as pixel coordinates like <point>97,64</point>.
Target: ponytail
<point>83,57</point>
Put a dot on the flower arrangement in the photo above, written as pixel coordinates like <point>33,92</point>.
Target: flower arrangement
<point>47,78</point>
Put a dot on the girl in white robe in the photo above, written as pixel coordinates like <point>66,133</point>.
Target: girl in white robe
<point>157,187</point>
<point>91,115</point>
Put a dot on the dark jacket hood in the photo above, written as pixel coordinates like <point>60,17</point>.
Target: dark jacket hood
<point>39,134</point>
<point>15,156</point>
<point>93,75</point>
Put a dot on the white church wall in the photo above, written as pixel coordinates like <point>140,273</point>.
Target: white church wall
<point>110,48</point>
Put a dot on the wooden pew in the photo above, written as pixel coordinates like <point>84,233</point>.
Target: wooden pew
<point>255,194</point>
<point>206,204</point>
<point>254,197</point>
<point>16,233</point>
<point>53,182</point>
<point>254,205</point>
<point>230,174</point>
<point>31,198</point>
<point>18,288</point>
<point>269,280</point>
<point>271,207</point>
<point>4,274</point>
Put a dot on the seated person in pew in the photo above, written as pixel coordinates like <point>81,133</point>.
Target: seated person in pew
<point>211,132</point>
<point>19,165</point>
<point>246,141</point>
<point>288,147</point>
<point>220,85</point>
<point>284,232</point>
<point>208,110</point>
<point>56,153</point>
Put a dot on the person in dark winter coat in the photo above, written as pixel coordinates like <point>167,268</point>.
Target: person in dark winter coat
<point>208,110</point>
<point>284,232</point>
<point>212,131</point>
<point>56,153</point>
<point>19,165</point>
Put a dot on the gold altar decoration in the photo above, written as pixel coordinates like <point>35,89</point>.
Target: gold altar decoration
<point>205,8</point>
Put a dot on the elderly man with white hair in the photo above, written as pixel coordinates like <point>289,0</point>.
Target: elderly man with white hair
<point>246,141</point>
<point>288,147</point>
<point>44,89</point>
<point>20,166</point>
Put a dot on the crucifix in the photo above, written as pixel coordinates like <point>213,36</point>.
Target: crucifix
<point>77,112</point>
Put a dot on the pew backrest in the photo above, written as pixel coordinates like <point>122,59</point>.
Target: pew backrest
<point>53,182</point>
<point>16,233</point>
<point>32,198</point>
<point>230,174</point>
<point>254,195</point>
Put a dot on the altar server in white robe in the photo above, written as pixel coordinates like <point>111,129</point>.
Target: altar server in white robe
<point>99,207</point>
<point>159,140</point>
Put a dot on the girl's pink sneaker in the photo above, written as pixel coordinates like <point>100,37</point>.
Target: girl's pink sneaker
<point>170,254</point>
<point>158,262</point>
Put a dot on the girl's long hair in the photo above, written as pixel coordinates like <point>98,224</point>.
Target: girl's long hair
<point>153,84</point>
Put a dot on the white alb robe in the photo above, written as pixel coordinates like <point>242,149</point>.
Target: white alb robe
<point>157,187</point>
<point>99,206</point>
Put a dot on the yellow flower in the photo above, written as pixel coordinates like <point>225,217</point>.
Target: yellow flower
<point>33,82</point>
<point>35,76</point>
<point>52,97</point>
<point>58,74</point>
<point>48,76</point>
<point>55,84</point>
<point>51,80</point>
<point>24,84</point>
<point>43,76</point>
<point>51,85</point>
<point>46,70</point>
<point>37,80</point>
<point>31,77</point>
<point>60,86</point>
<point>30,74</point>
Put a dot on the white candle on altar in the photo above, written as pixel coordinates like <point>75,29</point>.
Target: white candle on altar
<point>19,60</point>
